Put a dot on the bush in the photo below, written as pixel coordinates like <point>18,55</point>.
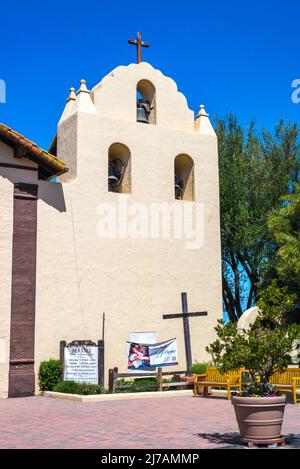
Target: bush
<point>136,385</point>
<point>84,389</point>
<point>50,373</point>
<point>198,368</point>
<point>265,347</point>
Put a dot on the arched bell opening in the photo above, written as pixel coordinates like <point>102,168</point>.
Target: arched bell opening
<point>145,102</point>
<point>119,168</point>
<point>184,178</point>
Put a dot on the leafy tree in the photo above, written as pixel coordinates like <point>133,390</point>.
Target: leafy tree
<point>284,268</point>
<point>255,171</point>
<point>265,347</point>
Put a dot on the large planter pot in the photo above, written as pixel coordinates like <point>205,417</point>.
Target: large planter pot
<point>259,418</point>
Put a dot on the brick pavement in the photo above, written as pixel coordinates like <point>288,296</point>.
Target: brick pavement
<point>177,422</point>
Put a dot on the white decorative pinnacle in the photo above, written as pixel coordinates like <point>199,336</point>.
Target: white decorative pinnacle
<point>84,102</point>
<point>202,123</point>
<point>70,105</point>
<point>202,111</point>
<point>83,88</point>
<point>72,95</point>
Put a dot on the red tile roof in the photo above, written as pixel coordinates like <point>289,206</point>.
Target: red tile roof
<point>49,165</point>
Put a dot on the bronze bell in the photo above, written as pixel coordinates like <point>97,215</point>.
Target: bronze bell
<point>143,111</point>
<point>113,177</point>
<point>178,184</point>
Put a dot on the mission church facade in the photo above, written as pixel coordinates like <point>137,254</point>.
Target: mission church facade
<point>131,139</point>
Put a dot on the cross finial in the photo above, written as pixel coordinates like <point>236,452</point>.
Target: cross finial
<point>139,45</point>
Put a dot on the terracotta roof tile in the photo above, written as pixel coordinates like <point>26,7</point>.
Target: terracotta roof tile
<point>50,165</point>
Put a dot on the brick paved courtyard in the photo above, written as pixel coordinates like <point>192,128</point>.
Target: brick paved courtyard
<point>177,422</point>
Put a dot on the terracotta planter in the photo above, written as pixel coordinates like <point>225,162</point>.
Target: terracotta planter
<point>188,379</point>
<point>259,418</point>
<point>202,390</point>
<point>189,382</point>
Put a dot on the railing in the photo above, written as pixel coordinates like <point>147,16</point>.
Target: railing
<point>158,383</point>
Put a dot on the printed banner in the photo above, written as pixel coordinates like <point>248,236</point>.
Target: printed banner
<point>147,356</point>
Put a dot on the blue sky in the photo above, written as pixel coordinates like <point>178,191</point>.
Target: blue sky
<point>231,56</point>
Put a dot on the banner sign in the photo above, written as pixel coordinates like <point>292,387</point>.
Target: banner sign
<point>147,356</point>
<point>81,362</point>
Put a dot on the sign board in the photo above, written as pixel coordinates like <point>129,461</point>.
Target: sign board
<point>81,362</point>
<point>148,356</point>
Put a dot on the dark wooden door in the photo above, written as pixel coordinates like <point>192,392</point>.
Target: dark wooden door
<point>21,366</point>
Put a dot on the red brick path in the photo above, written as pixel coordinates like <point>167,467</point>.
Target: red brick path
<point>40,422</point>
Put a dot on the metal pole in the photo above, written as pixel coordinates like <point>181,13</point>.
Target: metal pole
<point>101,363</point>
<point>62,345</point>
<point>103,325</point>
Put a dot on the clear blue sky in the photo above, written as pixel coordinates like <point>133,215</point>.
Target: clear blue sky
<point>230,55</point>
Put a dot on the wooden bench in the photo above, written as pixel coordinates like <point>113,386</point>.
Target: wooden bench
<point>288,381</point>
<point>214,378</point>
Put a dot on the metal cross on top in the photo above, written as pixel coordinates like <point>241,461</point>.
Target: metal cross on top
<point>139,45</point>
<point>185,315</point>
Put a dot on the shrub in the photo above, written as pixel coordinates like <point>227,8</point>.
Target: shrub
<point>84,389</point>
<point>136,385</point>
<point>50,373</point>
<point>263,349</point>
<point>198,368</point>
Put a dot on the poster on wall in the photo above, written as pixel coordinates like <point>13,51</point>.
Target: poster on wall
<point>142,338</point>
<point>81,362</point>
<point>143,356</point>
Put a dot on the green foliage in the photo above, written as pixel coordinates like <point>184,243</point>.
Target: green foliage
<point>260,389</point>
<point>136,385</point>
<point>199,368</point>
<point>263,349</point>
<point>255,171</point>
<point>50,373</point>
<point>70,387</point>
<point>283,272</point>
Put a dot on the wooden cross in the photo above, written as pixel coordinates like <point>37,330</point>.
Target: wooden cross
<point>185,315</point>
<point>140,44</point>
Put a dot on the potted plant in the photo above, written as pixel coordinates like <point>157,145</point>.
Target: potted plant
<point>197,368</point>
<point>262,350</point>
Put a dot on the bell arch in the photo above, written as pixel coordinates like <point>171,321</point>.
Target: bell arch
<point>146,102</point>
<point>184,178</point>
<point>119,168</point>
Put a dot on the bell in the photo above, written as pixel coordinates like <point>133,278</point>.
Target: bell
<point>113,180</point>
<point>178,185</point>
<point>143,111</point>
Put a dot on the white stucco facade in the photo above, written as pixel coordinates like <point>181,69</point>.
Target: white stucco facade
<point>80,275</point>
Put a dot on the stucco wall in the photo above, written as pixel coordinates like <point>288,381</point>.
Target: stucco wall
<point>8,177</point>
<point>115,94</point>
<point>134,281</point>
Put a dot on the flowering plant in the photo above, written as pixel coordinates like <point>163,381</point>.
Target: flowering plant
<point>263,349</point>
<point>258,389</point>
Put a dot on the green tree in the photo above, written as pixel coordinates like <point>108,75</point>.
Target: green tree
<point>283,271</point>
<point>265,347</point>
<point>255,171</point>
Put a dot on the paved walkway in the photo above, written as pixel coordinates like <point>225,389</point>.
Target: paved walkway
<point>177,422</point>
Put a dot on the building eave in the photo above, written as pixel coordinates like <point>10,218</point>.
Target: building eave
<point>49,165</point>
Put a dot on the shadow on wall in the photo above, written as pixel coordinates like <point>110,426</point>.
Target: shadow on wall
<point>49,192</point>
<point>52,194</point>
